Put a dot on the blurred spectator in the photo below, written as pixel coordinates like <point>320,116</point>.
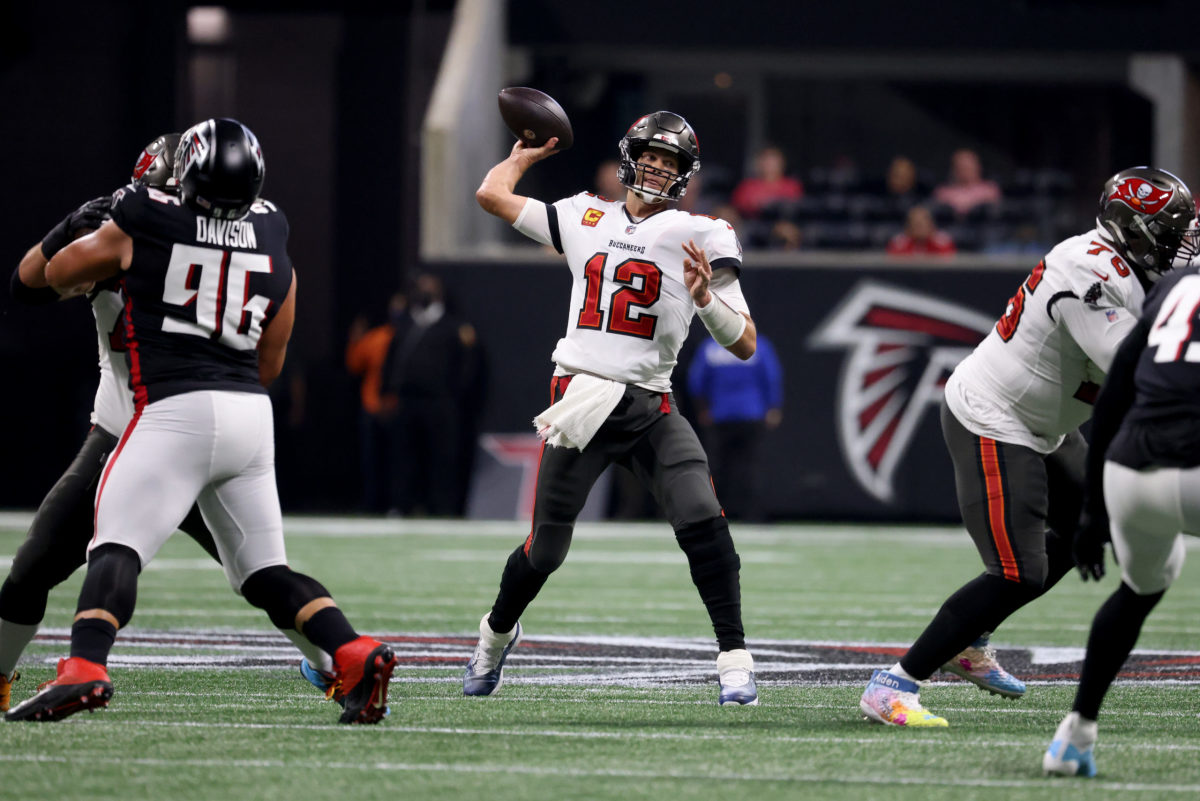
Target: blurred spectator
<point>606,182</point>
<point>432,374</point>
<point>920,236</point>
<point>760,234</point>
<point>967,188</point>
<point>366,353</point>
<point>901,178</point>
<point>737,402</point>
<point>769,184</point>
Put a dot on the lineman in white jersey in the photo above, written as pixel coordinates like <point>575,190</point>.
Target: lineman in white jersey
<point>640,270</point>
<point>1010,419</point>
<point>56,544</point>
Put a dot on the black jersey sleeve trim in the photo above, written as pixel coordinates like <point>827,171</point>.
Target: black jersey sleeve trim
<point>23,293</point>
<point>552,218</point>
<point>1055,298</point>
<point>730,262</point>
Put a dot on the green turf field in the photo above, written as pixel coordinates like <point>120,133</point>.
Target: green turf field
<point>613,695</point>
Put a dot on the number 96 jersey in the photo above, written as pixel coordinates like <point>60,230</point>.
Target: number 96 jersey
<point>630,308</point>
<point>198,293</point>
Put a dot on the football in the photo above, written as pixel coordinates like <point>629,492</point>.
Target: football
<point>534,117</point>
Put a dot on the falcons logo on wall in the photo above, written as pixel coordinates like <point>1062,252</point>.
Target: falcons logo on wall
<point>903,346</point>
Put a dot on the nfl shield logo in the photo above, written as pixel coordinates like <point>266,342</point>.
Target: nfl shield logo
<point>1112,315</point>
<point>629,229</point>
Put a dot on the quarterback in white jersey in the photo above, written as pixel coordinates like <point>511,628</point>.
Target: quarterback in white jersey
<point>1010,420</point>
<point>640,270</point>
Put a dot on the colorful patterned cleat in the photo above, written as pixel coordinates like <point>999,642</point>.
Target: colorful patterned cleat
<point>485,671</point>
<point>79,685</point>
<point>735,672</point>
<point>894,701</point>
<point>6,683</point>
<point>1070,752</point>
<point>362,670</point>
<point>978,664</point>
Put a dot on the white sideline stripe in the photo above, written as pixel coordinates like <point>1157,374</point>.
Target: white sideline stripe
<point>593,734</point>
<point>622,773</point>
<point>935,535</point>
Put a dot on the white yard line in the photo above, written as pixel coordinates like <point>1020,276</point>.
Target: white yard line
<point>621,773</point>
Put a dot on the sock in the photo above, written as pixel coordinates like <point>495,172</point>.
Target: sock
<point>982,640</point>
<point>1115,631</point>
<point>898,671</point>
<point>92,639</point>
<point>519,585</point>
<point>315,656</point>
<point>13,639</point>
<point>979,605</point>
<point>329,630</point>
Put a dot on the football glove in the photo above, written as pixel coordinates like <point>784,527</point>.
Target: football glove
<point>1087,547</point>
<point>87,217</point>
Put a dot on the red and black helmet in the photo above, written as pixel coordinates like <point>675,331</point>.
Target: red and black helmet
<point>1150,216</point>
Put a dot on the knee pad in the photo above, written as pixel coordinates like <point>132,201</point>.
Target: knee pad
<point>281,592</point>
<point>547,548</point>
<point>111,582</point>
<point>709,548</point>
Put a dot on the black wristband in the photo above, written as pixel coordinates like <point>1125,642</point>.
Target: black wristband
<point>23,293</point>
<point>56,239</point>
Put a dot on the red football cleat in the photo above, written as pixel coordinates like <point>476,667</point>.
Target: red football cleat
<point>80,685</point>
<point>363,668</point>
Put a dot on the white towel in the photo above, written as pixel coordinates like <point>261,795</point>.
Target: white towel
<point>574,420</point>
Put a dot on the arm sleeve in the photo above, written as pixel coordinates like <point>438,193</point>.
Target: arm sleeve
<point>726,286</point>
<point>1114,400</point>
<point>539,222</point>
<point>1093,331</point>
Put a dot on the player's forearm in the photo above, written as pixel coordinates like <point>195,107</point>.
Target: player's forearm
<point>496,196</point>
<point>747,343</point>
<point>32,269</point>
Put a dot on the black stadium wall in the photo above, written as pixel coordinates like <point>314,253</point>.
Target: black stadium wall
<point>864,351</point>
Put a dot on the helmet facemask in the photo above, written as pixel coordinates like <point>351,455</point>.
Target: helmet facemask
<point>665,131</point>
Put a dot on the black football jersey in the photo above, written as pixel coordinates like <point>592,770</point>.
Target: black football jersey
<point>198,293</point>
<point>1162,427</point>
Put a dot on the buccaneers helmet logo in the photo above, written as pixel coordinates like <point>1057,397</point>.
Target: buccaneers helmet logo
<point>903,346</point>
<point>1141,195</point>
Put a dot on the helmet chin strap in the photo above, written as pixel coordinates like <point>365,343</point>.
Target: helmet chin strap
<point>646,197</point>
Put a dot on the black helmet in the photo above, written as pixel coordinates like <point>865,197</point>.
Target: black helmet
<point>156,164</point>
<point>1150,216</point>
<point>220,169</point>
<point>670,132</point>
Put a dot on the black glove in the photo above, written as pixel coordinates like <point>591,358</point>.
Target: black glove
<point>87,217</point>
<point>1087,547</point>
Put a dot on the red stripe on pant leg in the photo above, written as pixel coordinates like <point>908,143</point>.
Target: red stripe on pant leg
<point>990,459</point>
<point>529,539</point>
<point>112,459</point>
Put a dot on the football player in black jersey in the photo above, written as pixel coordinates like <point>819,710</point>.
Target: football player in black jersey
<point>1144,472</point>
<point>58,537</point>
<point>209,307</point>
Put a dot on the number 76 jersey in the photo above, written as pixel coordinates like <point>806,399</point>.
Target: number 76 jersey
<point>630,308</point>
<point>198,293</point>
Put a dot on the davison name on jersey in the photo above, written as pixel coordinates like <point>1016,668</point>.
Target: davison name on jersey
<point>198,292</point>
<point>1034,378</point>
<point>630,308</point>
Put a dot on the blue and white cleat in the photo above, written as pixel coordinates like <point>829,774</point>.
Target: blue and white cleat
<point>978,664</point>
<point>1070,752</point>
<point>895,701</point>
<point>485,671</point>
<point>735,671</point>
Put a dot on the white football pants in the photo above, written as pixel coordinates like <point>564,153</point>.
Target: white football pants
<point>1150,511</point>
<point>214,448</point>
